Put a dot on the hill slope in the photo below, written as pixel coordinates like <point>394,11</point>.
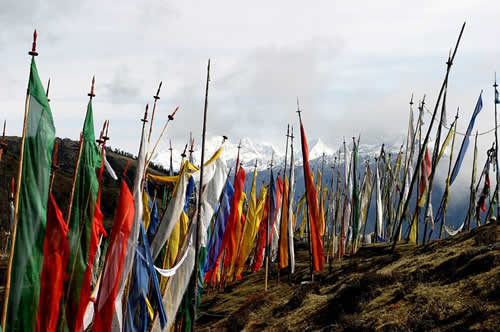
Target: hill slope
<point>67,156</point>
<point>449,285</point>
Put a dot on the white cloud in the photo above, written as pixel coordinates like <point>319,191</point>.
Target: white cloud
<point>354,67</point>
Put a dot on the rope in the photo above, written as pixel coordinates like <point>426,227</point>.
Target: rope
<point>459,133</point>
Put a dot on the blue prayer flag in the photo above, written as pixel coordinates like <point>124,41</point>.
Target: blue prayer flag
<point>215,241</point>
<point>465,143</point>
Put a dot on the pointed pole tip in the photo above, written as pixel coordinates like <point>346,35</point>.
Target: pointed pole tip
<point>91,94</point>
<point>33,51</point>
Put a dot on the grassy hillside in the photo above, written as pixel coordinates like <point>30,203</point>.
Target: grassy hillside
<point>448,285</point>
<point>67,156</point>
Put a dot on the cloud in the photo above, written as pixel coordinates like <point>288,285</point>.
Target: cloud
<point>354,68</point>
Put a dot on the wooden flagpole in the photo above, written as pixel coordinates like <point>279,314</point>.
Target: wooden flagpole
<point>328,237</point>
<point>3,145</point>
<point>497,198</point>
<point>127,287</point>
<point>170,118</point>
<point>408,161</point>
<point>307,207</point>
<point>170,170</point>
<point>200,191</point>
<point>55,167</point>
<point>472,199</point>
<point>280,238</point>
<point>320,198</point>
<point>33,54</point>
<point>75,175</point>
<point>336,215</point>
<point>421,152</point>
<point>290,201</point>
<point>269,210</point>
<point>443,218</point>
<point>156,97</point>
<point>191,149</point>
<point>55,152</point>
<point>435,154</point>
<point>369,199</point>
<point>417,170</point>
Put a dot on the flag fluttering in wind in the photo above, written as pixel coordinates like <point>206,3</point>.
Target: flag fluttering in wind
<point>355,194</point>
<point>81,226</point>
<point>32,211</point>
<point>283,244</point>
<point>312,205</point>
<point>115,256</point>
<point>275,219</point>
<point>214,179</point>
<point>55,260</point>
<point>172,214</point>
<point>231,237</point>
<point>497,97</point>
<point>465,142</point>
<point>261,240</point>
<point>378,203</point>
<point>144,274</point>
<point>291,225</point>
<point>134,230</point>
<point>253,219</point>
<point>366,194</point>
<point>214,245</point>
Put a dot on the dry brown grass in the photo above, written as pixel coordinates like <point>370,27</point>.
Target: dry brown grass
<point>448,285</point>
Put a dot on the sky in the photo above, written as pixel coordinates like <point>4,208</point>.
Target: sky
<point>353,65</point>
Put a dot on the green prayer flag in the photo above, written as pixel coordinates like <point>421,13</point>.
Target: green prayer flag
<point>81,222</point>
<point>32,211</point>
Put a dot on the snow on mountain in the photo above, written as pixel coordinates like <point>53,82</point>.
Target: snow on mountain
<point>317,148</point>
<point>249,153</point>
<point>262,152</point>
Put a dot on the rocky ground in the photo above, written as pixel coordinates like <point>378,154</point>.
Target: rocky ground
<point>447,285</point>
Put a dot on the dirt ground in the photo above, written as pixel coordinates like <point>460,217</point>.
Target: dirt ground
<point>447,285</point>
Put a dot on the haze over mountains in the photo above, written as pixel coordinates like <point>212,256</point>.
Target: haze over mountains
<point>263,152</point>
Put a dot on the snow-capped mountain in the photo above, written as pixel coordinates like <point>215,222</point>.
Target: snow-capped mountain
<point>262,152</point>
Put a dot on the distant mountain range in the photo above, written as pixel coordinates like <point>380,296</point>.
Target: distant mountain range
<point>251,152</point>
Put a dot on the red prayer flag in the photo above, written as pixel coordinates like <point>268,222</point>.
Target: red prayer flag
<point>115,257</point>
<point>230,238</point>
<point>312,204</point>
<point>55,260</point>
<point>261,240</point>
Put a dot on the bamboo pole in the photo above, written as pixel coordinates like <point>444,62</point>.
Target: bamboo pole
<point>290,201</point>
<point>416,214</point>
<point>443,218</point>
<point>435,154</point>
<point>421,154</point>
<point>410,145</point>
<point>156,97</point>
<point>280,238</point>
<point>328,237</point>
<point>307,203</point>
<point>269,210</point>
<point>472,199</point>
<point>200,191</point>
<point>33,54</point>
<point>170,118</point>
<point>54,166</point>
<point>3,145</point>
<point>495,85</point>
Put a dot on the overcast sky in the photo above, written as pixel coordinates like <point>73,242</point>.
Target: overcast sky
<point>354,65</point>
